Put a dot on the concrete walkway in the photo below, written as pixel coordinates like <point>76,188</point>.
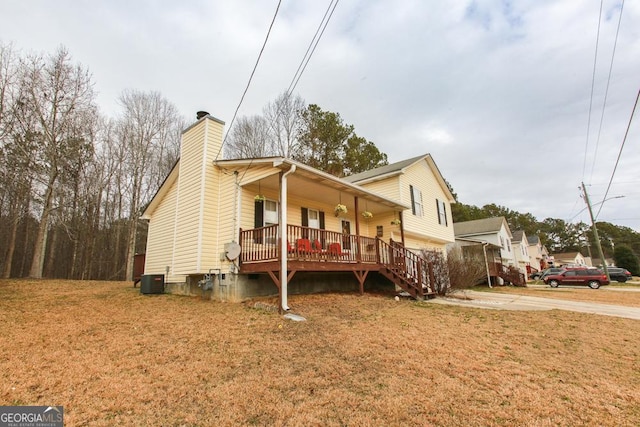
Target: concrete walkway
<point>520,302</point>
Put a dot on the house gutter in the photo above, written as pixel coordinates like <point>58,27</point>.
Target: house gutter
<point>283,238</point>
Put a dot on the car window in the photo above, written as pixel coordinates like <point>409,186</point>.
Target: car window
<point>570,273</point>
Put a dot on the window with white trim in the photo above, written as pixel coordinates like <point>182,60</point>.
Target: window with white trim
<point>270,212</point>
<point>314,218</point>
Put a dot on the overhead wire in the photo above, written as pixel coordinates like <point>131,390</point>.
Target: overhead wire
<point>606,92</point>
<point>593,81</point>
<point>624,140</point>
<point>305,60</point>
<point>292,86</point>
<point>250,78</point>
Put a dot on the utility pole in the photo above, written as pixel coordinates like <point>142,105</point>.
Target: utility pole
<point>595,233</point>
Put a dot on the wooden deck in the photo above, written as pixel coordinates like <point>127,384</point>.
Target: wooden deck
<point>315,250</point>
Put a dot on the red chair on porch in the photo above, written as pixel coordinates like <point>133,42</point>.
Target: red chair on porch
<point>303,246</point>
<point>335,250</point>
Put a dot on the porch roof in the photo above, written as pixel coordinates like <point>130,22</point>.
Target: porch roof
<point>303,180</point>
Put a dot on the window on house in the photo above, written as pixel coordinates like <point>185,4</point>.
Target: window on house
<point>416,201</point>
<point>270,212</point>
<point>379,231</point>
<point>508,245</point>
<point>265,214</point>
<point>442,212</point>
<point>313,219</point>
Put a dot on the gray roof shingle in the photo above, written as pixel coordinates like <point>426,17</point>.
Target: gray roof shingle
<point>479,226</point>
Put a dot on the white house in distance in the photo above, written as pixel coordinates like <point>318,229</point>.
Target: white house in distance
<point>236,228</point>
<point>520,247</point>
<point>538,254</point>
<point>569,258</point>
<point>492,230</point>
<point>495,233</point>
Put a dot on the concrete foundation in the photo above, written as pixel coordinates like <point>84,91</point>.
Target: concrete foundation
<point>241,287</point>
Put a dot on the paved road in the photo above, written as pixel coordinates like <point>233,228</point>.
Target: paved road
<point>520,302</point>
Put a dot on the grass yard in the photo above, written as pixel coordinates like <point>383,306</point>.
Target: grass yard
<point>111,356</point>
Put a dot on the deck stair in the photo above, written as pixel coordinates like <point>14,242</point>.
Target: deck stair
<point>406,269</point>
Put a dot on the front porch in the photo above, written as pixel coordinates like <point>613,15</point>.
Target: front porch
<point>317,250</point>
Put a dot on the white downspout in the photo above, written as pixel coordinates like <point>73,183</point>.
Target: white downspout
<point>486,262</point>
<point>283,238</point>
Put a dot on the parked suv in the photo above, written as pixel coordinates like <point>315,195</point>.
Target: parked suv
<point>591,277</point>
<point>619,274</point>
<point>544,273</point>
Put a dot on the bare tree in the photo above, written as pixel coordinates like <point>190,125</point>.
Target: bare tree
<point>57,105</point>
<point>9,197</point>
<point>274,133</point>
<point>249,138</point>
<point>283,117</point>
<point>147,132</point>
<point>466,267</point>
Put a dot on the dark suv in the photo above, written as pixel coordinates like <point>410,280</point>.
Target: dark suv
<point>619,274</point>
<point>544,273</point>
<point>591,277</point>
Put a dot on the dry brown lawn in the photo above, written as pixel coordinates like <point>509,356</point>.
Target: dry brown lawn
<point>604,295</point>
<point>111,357</point>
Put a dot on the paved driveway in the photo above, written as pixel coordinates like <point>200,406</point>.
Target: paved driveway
<point>520,302</point>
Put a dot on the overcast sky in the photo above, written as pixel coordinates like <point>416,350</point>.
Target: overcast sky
<point>497,91</point>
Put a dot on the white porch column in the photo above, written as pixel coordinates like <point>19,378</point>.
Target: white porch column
<point>282,230</point>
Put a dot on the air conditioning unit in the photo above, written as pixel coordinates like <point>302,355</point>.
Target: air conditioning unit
<point>152,284</point>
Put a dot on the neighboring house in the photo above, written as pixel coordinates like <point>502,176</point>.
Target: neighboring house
<point>520,246</point>
<point>418,183</point>
<point>472,248</point>
<point>218,224</point>
<point>569,258</point>
<point>494,231</point>
<point>538,254</point>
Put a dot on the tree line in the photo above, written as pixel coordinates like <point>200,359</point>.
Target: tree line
<point>72,181</point>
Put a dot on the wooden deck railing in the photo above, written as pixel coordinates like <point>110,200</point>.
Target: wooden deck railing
<point>318,249</point>
<point>508,273</point>
<point>409,270</point>
<point>305,243</point>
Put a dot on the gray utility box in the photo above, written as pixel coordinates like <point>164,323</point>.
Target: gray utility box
<point>152,284</point>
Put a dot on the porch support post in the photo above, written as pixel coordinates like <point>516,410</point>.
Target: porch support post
<point>282,231</point>
<point>401,227</point>
<point>361,276</point>
<point>355,204</point>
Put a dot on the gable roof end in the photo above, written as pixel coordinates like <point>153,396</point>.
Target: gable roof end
<point>398,168</point>
<point>480,226</point>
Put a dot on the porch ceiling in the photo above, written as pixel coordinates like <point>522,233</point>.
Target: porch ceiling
<point>309,183</point>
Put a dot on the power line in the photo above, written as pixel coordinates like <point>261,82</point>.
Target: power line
<point>250,78</point>
<point>293,85</point>
<point>593,81</point>
<point>606,92</point>
<point>620,152</point>
<point>301,68</point>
